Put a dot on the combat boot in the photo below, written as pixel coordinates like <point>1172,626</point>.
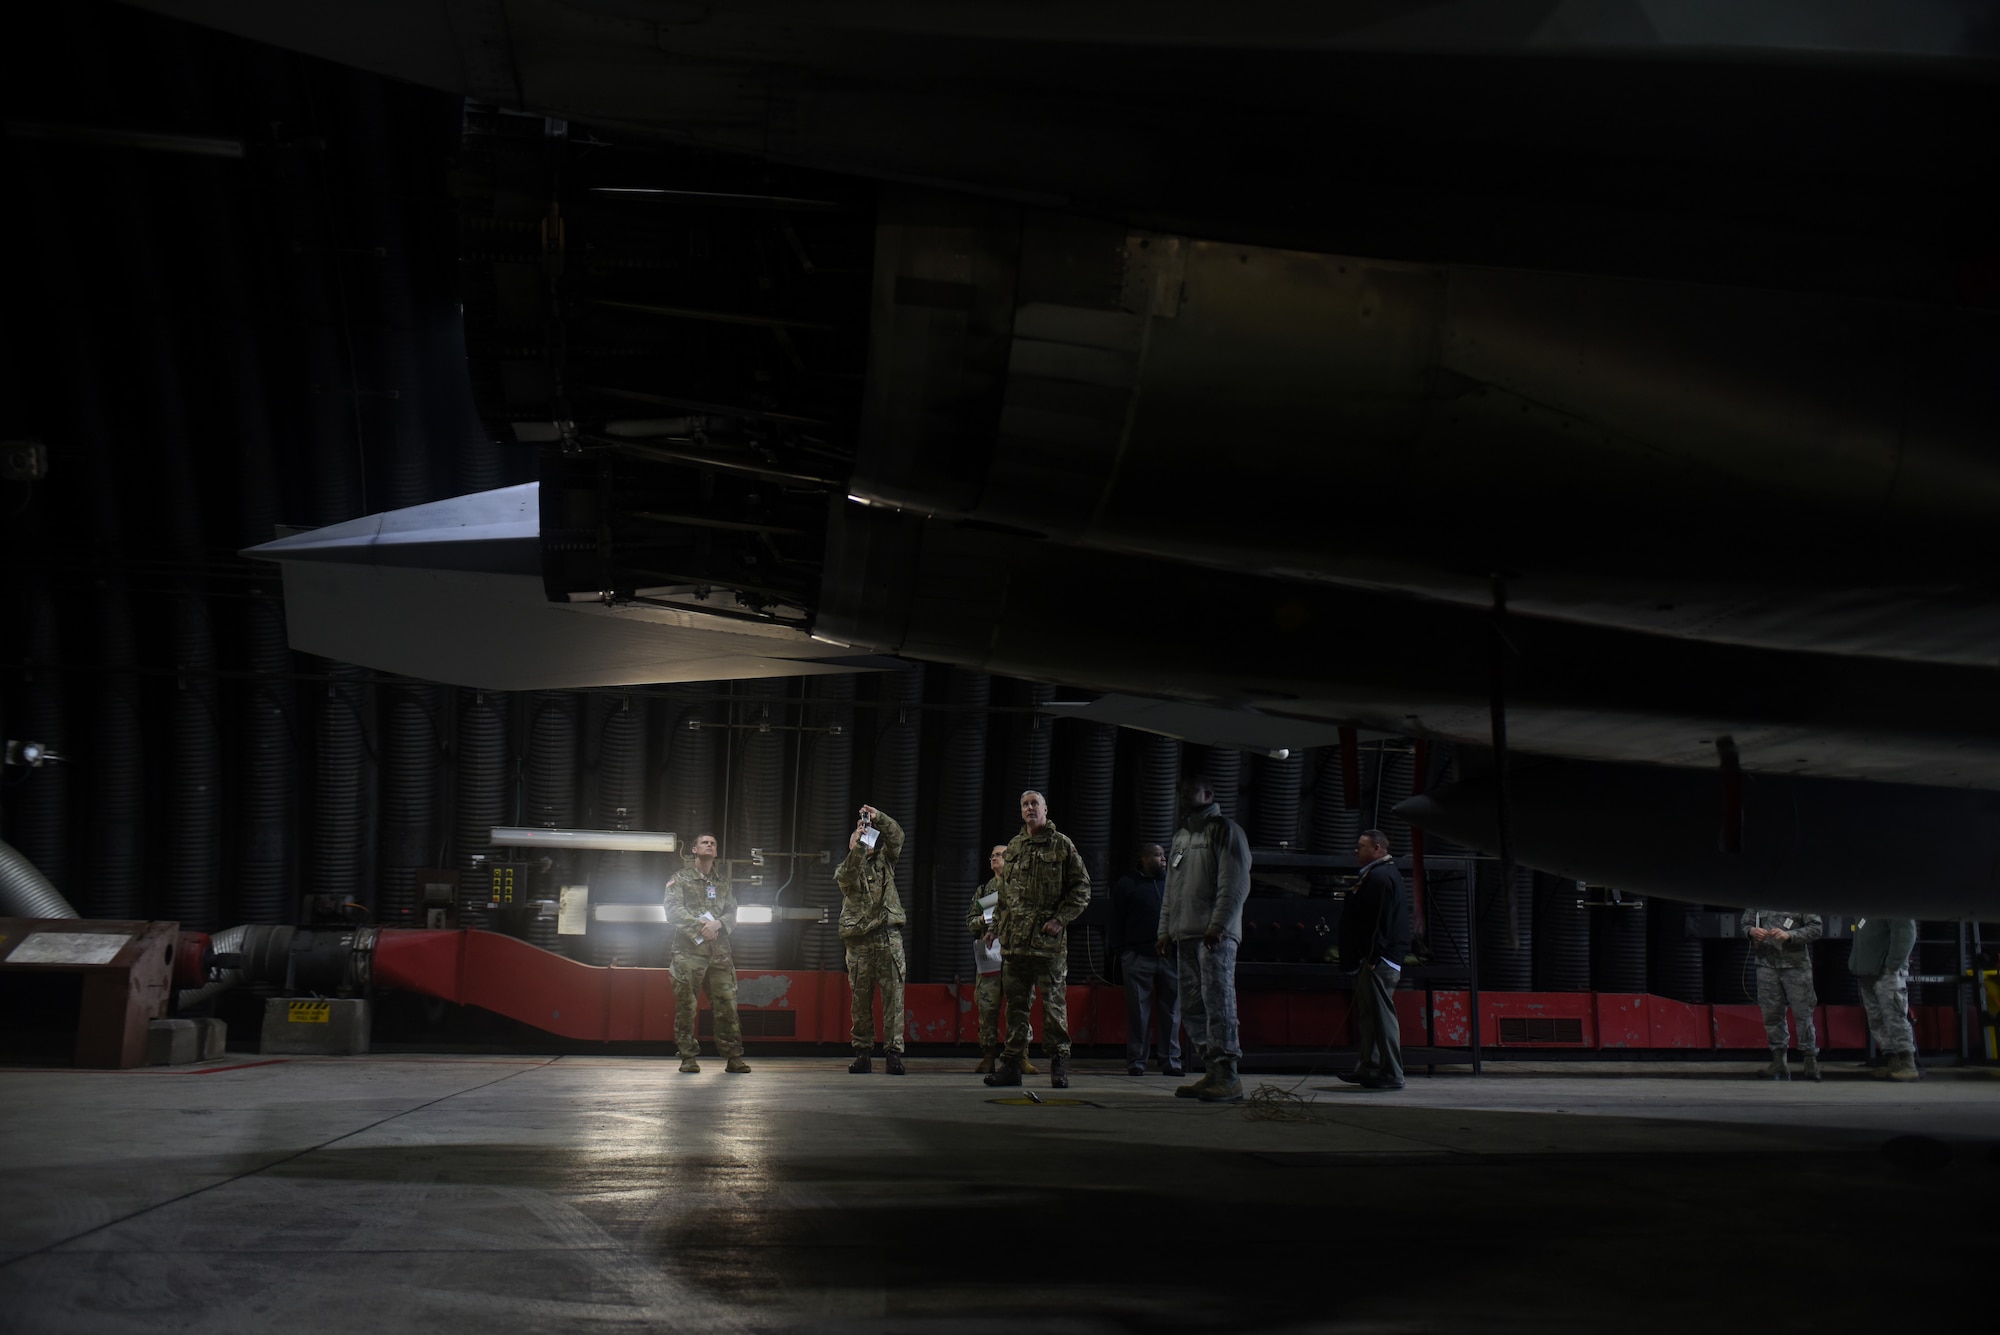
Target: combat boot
<point>861,1065</point>
<point>1059,1072</point>
<point>894,1063</point>
<point>1903,1066</point>
<point>1777,1070</point>
<point>1028,1067</point>
<point>1004,1073</point>
<point>1193,1089</point>
<point>737,1066</point>
<point>1812,1065</point>
<point>1224,1084</point>
<point>986,1056</point>
<point>689,1066</point>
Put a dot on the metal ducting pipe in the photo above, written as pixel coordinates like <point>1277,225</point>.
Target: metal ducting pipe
<point>1561,936</point>
<point>830,811</point>
<point>756,812</point>
<point>895,759</point>
<point>1395,779</point>
<point>228,942</point>
<point>110,758</point>
<point>1222,767</point>
<point>481,781</point>
<point>41,796</point>
<point>1086,818</point>
<point>1448,922</point>
<point>618,769</point>
<point>1674,967</point>
<point>961,843</point>
<point>264,776</point>
<point>1156,795</point>
<point>190,877</point>
<point>551,793</point>
<point>25,892</point>
<point>1505,967</point>
<point>410,749</point>
<point>1025,757</point>
<point>1833,980</point>
<point>1729,976</point>
<point>1618,946</point>
<point>1275,818</point>
<point>1333,825</point>
<point>340,797</point>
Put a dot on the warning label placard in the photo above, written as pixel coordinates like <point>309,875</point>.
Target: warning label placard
<point>309,1012</point>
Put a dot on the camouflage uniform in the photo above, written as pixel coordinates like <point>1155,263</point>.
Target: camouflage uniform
<point>1784,975</point>
<point>700,965</point>
<point>1881,965</point>
<point>1044,878</point>
<point>987,991</point>
<point>871,919</point>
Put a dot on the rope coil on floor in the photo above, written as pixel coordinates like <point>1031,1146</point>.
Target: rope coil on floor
<point>1270,1103</point>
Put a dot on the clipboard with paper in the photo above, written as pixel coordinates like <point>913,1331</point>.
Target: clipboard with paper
<point>984,957</point>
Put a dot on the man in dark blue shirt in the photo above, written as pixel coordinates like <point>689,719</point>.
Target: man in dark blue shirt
<point>1152,987</point>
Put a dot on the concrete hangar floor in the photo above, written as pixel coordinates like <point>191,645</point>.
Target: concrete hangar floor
<point>524,1193</point>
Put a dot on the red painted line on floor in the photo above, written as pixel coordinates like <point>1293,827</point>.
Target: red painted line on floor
<point>240,1066</point>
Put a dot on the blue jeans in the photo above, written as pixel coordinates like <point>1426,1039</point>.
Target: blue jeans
<point>1152,991</point>
<point>1208,996</point>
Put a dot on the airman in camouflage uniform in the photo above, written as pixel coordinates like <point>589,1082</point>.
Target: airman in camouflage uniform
<point>1782,939</point>
<point>701,910</point>
<point>1044,888</point>
<point>979,921</point>
<point>1881,965</point>
<point>871,922</point>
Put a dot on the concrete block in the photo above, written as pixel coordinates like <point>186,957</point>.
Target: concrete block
<point>315,1026</point>
<point>172,1043</point>
<point>214,1038</point>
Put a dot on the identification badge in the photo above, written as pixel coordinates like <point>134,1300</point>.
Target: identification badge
<point>711,892</point>
<point>1176,861</point>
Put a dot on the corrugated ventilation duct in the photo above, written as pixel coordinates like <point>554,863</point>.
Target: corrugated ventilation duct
<point>831,808</point>
<point>756,814</point>
<point>1618,946</point>
<point>1561,935</point>
<point>961,843</point>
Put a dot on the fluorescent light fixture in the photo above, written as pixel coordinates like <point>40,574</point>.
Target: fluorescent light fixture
<point>753,913</point>
<point>631,841</point>
<point>630,913</point>
<point>859,500</point>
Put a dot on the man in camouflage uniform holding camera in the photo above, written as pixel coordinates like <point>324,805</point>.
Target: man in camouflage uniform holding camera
<point>1044,888</point>
<point>1783,941</point>
<point>871,927</point>
<point>701,910</point>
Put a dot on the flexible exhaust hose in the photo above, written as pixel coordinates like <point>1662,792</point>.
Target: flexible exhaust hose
<point>25,892</point>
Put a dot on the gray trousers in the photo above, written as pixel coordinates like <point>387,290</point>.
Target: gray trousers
<point>1208,996</point>
<point>1778,988</point>
<point>1152,992</point>
<point>1885,997</point>
<point>1377,1032</point>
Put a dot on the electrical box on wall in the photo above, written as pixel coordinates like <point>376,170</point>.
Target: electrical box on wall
<point>437,897</point>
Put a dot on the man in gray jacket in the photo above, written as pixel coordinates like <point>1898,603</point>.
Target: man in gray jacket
<point>1881,965</point>
<point>1201,921</point>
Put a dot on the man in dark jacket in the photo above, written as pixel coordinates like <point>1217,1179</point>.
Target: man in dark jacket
<point>1151,984</point>
<point>1881,964</point>
<point>1374,938</point>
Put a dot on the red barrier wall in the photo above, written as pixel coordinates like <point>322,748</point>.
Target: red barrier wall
<point>559,995</point>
